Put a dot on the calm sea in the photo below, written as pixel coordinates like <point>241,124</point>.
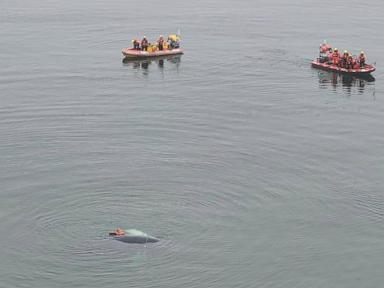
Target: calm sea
<point>253,169</point>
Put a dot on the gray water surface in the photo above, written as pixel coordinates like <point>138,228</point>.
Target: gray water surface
<point>252,168</point>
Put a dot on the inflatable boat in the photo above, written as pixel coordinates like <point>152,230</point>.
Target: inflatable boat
<point>138,54</point>
<point>366,70</point>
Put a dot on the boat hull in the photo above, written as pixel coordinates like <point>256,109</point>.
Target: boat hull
<point>329,67</point>
<point>138,54</point>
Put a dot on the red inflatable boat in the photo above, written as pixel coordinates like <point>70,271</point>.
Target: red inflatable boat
<point>356,71</point>
<point>132,53</point>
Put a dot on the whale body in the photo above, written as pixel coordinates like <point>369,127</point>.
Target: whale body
<point>134,236</point>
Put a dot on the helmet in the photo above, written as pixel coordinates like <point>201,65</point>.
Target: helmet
<point>336,49</point>
<point>145,37</point>
<point>362,52</point>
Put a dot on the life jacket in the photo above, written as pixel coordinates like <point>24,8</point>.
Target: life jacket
<point>362,59</point>
<point>335,58</point>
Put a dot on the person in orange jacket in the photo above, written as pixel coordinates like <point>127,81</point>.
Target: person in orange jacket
<point>335,57</point>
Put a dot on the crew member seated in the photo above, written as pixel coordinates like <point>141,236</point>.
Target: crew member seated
<point>174,41</point>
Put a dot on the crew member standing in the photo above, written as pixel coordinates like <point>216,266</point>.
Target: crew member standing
<point>362,59</point>
<point>344,59</point>
<point>350,61</point>
<point>335,57</point>
<point>160,42</point>
<point>136,44</point>
<point>144,44</point>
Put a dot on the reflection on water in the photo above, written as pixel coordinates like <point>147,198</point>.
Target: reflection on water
<point>160,62</point>
<point>347,83</point>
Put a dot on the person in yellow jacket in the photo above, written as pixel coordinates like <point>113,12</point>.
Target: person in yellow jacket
<point>174,41</point>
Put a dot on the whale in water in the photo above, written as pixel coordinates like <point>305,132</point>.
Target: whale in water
<point>134,236</point>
